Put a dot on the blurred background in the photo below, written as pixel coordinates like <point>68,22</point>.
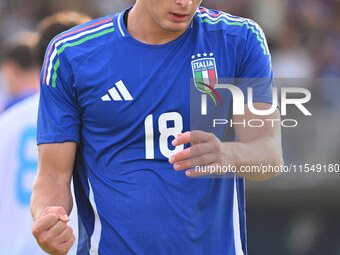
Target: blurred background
<point>292,214</point>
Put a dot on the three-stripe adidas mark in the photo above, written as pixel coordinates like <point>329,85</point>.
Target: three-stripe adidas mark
<point>113,92</point>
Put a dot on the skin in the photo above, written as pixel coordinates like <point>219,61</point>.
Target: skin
<point>256,146</point>
<point>159,25</point>
<point>51,200</point>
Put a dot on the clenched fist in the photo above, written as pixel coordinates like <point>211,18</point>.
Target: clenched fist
<point>51,231</point>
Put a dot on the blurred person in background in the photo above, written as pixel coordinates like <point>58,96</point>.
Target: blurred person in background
<point>20,68</point>
<point>25,15</point>
<point>106,6</point>
<point>291,59</point>
<point>18,155</point>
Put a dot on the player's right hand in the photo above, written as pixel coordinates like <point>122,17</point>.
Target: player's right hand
<point>51,231</point>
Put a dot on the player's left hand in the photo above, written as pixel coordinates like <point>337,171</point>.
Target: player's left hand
<point>206,149</point>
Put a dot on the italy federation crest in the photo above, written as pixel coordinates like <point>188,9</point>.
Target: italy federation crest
<point>204,72</point>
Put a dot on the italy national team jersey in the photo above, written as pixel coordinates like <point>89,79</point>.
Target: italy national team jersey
<point>122,102</point>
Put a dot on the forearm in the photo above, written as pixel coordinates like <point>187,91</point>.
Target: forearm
<point>260,152</point>
<point>49,191</point>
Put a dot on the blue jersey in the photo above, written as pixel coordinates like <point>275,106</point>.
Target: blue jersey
<point>123,102</point>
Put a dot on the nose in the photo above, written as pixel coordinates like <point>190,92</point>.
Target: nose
<point>184,3</point>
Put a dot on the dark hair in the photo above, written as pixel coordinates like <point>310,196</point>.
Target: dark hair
<point>21,49</point>
<point>54,25</point>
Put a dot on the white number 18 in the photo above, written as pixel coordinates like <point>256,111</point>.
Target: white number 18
<point>165,133</point>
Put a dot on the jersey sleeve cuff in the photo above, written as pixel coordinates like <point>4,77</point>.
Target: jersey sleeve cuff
<point>56,139</point>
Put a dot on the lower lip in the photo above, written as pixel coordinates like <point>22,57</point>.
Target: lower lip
<point>177,18</point>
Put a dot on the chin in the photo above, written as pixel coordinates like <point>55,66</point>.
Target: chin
<point>176,27</point>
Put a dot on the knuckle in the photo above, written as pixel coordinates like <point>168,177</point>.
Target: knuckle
<point>68,231</point>
<point>58,249</point>
<point>73,239</point>
<point>197,150</point>
<point>197,134</point>
<point>180,155</point>
<point>44,239</point>
<point>194,132</point>
<point>50,216</point>
<point>64,250</point>
<point>185,164</point>
<point>70,228</point>
<point>62,225</point>
<point>35,231</point>
<point>205,158</point>
<point>67,246</point>
<point>211,136</point>
<point>216,146</point>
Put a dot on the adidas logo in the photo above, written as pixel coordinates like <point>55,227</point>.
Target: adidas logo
<point>122,95</point>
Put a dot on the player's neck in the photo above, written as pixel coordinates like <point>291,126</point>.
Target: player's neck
<point>146,30</point>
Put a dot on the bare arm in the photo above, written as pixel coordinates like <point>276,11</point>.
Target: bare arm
<point>52,184</point>
<point>51,201</point>
<point>256,146</point>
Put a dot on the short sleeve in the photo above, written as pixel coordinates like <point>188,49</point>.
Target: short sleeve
<point>255,68</point>
<point>59,113</point>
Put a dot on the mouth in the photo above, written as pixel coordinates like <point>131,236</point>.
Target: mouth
<point>179,17</point>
